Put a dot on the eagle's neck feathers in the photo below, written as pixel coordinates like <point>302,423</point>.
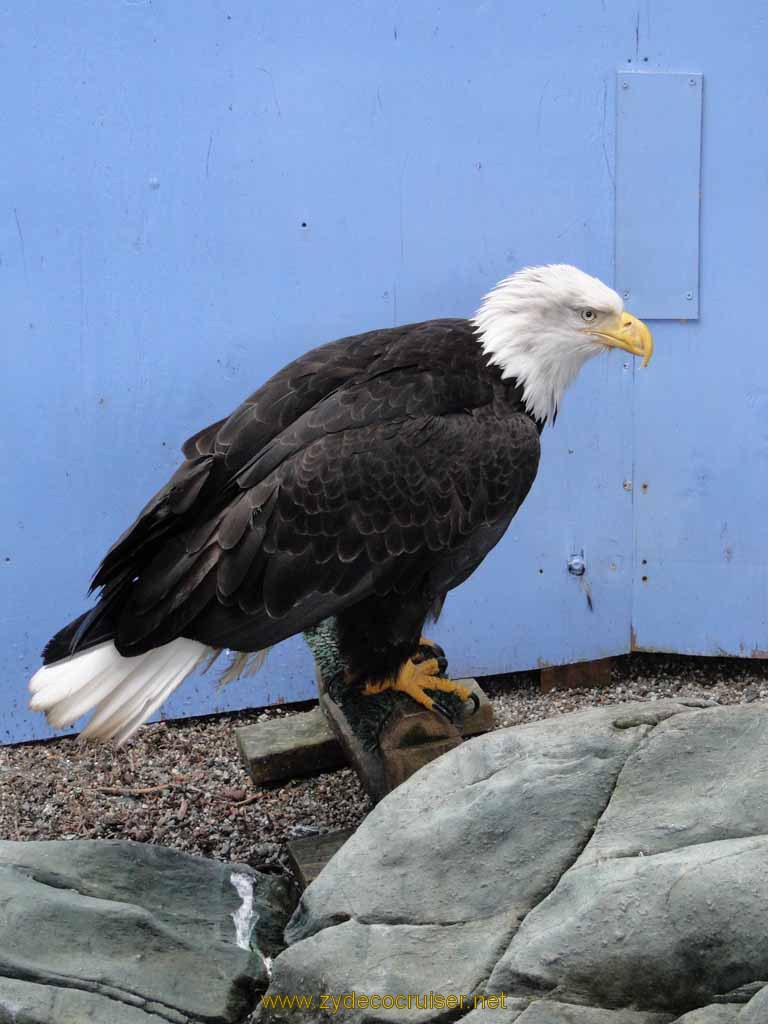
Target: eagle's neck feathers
<point>529,337</point>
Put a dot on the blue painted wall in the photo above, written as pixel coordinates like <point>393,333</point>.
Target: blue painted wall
<point>193,194</point>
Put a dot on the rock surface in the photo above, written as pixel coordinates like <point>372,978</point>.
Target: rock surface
<point>604,867</point>
<point>132,934</point>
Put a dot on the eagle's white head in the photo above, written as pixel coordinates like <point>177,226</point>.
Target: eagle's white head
<point>543,323</point>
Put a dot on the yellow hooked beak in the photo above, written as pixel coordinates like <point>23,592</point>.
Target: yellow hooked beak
<point>630,334</point>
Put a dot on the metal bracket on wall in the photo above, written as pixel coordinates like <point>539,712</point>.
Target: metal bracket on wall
<point>658,176</point>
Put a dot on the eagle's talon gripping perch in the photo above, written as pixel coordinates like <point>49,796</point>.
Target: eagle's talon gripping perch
<point>462,692</point>
<point>413,678</point>
<point>417,676</point>
<point>437,706</point>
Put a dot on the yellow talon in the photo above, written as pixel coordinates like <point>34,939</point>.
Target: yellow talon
<point>448,686</point>
<point>411,679</point>
<point>414,677</point>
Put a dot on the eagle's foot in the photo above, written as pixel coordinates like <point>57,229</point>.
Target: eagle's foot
<point>412,679</point>
<point>429,649</point>
<point>462,692</point>
<point>416,676</point>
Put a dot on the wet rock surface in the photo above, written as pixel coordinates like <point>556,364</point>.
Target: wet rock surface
<point>125,932</point>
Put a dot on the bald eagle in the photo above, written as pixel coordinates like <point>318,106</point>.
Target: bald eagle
<point>363,481</point>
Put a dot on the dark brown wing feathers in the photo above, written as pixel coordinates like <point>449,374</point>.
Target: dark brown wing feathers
<point>375,464</point>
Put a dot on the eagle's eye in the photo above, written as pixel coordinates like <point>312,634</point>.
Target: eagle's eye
<point>588,316</point>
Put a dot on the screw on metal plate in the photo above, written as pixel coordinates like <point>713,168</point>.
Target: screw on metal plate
<point>576,565</point>
<point>625,293</point>
<point>691,81</point>
<point>627,485</point>
<point>689,295</point>
<point>625,85</point>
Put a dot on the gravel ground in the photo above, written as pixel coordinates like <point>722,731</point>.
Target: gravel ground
<point>181,784</point>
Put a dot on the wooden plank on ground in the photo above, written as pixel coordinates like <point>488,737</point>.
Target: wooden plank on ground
<point>289,747</point>
<point>581,674</point>
<point>305,744</point>
<point>308,856</point>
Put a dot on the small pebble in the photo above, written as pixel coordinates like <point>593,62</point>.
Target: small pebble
<point>234,794</point>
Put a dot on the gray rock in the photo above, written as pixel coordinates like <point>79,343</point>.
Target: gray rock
<point>699,777</point>
<point>24,1002</point>
<point>756,1010</point>
<point>666,932</point>
<point>728,1013</point>
<point>742,993</point>
<point>145,927</point>
<point>604,867</point>
<point>395,960</point>
<point>547,1012</point>
<point>498,818</point>
<point>510,1012</point>
<point>660,856</point>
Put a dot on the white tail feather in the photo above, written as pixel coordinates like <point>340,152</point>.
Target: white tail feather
<point>151,703</point>
<point>123,691</point>
<point>121,703</point>
<point>58,683</point>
